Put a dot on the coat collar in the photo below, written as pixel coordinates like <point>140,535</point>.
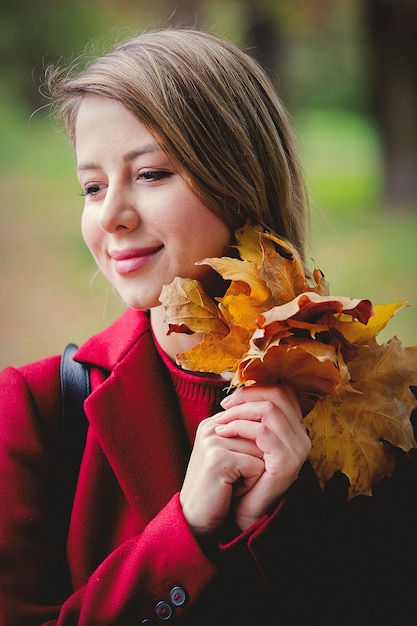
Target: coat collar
<point>110,346</point>
<point>134,414</point>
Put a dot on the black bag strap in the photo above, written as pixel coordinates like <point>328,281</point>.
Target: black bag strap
<point>75,387</point>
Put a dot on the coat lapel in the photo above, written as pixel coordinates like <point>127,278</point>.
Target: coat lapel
<point>135,419</point>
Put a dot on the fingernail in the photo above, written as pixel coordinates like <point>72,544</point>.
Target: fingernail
<point>226,401</point>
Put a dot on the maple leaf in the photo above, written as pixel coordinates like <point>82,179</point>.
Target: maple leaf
<point>348,429</point>
<point>189,309</point>
<point>282,269</point>
<point>272,326</point>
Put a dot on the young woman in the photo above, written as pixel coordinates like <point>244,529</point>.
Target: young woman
<point>190,506</point>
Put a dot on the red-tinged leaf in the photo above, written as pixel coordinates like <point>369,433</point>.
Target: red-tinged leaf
<point>311,369</point>
<point>357,333</point>
<point>310,306</point>
<point>179,328</point>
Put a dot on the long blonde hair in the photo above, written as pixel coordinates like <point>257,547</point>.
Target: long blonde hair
<point>214,111</point>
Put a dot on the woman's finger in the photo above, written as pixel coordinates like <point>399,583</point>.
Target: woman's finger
<point>281,395</point>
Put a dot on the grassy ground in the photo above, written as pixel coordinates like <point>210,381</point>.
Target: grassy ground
<point>51,293</point>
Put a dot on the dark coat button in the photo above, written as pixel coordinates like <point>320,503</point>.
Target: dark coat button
<point>163,611</point>
<point>177,596</point>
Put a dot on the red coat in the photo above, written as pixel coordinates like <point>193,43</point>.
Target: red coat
<point>315,559</point>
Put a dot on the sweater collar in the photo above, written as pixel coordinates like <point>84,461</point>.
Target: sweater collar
<point>194,387</point>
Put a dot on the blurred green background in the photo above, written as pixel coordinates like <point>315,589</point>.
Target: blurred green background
<point>347,73</point>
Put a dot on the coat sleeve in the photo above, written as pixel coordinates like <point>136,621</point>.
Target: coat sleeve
<point>130,583</point>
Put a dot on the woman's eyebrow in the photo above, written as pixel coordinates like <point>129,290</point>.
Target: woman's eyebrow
<point>150,147</point>
<point>130,156</point>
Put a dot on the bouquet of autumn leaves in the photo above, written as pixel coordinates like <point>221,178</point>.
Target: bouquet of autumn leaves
<point>273,327</point>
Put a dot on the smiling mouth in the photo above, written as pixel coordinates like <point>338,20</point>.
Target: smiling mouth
<point>128,261</point>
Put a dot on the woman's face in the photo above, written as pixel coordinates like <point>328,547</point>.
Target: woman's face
<point>141,221</point>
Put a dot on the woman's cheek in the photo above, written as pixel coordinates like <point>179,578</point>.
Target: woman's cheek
<point>91,235</point>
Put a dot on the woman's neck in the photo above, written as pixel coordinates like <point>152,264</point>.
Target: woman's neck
<point>175,343</point>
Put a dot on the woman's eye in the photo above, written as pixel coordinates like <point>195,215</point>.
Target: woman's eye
<point>91,190</point>
<point>154,175</point>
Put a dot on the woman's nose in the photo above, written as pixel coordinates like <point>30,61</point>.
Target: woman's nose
<point>118,211</point>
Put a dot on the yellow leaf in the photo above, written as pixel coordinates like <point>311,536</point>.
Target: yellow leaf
<point>219,354</point>
<point>248,240</point>
<point>243,271</point>
<point>341,440</point>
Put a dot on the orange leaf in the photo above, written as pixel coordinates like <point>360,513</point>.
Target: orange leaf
<point>322,286</point>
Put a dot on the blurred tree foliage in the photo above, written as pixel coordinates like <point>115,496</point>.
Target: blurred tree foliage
<point>36,34</point>
<point>313,47</point>
<point>356,55</point>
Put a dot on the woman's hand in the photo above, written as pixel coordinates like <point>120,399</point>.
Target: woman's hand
<point>217,465</point>
<point>271,418</point>
<point>250,453</point>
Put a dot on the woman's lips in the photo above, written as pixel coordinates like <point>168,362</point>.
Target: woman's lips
<point>130,260</point>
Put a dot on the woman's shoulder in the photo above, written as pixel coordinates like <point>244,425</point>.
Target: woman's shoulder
<point>36,374</point>
<point>29,390</point>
